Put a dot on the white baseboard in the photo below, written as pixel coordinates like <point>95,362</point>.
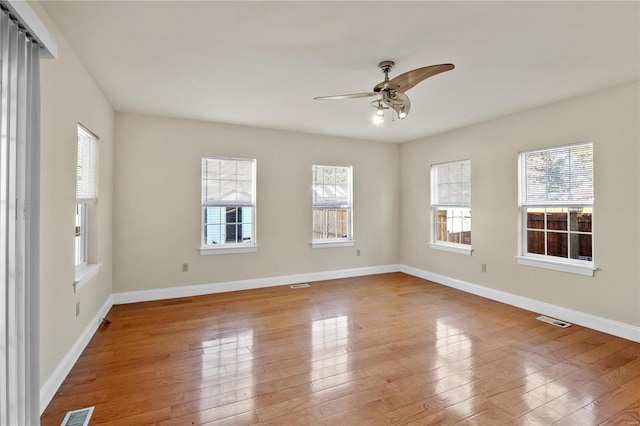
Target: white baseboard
<point>51,386</point>
<point>594,322</point>
<point>222,287</point>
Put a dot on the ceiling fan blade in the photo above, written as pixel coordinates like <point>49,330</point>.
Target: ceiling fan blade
<point>406,81</point>
<point>349,96</point>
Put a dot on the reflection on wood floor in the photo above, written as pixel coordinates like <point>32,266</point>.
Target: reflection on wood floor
<point>382,349</point>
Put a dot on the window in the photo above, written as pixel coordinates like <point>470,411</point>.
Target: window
<point>451,206</point>
<point>228,205</point>
<point>86,172</point>
<point>332,206</point>
<point>556,202</point>
<point>86,197</point>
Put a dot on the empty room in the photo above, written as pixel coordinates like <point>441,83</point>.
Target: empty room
<point>345,213</point>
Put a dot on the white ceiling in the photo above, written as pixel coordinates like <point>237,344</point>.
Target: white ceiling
<point>261,63</point>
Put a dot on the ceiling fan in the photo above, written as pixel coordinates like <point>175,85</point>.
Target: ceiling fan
<point>392,91</point>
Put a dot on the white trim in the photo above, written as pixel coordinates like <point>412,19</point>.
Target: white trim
<point>35,26</point>
<point>586,268</point>
<point>84,275</point>
<point>201,289</point>
<point>206,251</point>
<point>452,248</point>
<point>51,386</point>
<point>332,244</point>
<point>605,325</point>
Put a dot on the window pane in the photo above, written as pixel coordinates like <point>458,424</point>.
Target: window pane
<point>245,226</point>
<point>557,219</point>
<point>214,234</point>
<point>318,224</point>
<point>581,247</point>
<point>451,183</point>
<point>453,237</point>
<point>330,223</point>
<point>535,218</point>
<point>453,225</point>
<point>80,234</point>
<point>329,176</point>
<point>228,225</point>
<point>247,232</point>
<point>535,242</point>
<point>557,244</point>
<point>231,215</point>
<point>244,171</point>
<point>580,219</point>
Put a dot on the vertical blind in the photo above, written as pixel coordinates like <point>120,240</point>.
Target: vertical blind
<point>558,176</point>
<point>19,224</point>
<point>86,168</point>
<point>451,184</point>
<point>228,182</point>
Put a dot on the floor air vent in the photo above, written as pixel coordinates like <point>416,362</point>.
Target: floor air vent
<point>554,321</point>
<point>77,417</point>
<point>300,286</point>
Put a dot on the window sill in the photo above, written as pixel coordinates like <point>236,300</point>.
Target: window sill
<point>452,248</point>
<point>578,267</point>
<point>84,275</point>
<point>209,250</point>
<point>332,244</point>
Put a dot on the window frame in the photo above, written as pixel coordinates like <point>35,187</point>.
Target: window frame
<point>348,206</point>
<point>546,261</point>
<point>436,206</point>
<point>227,248</point>
<point>87,161</point>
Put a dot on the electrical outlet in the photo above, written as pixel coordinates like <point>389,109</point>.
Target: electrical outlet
<point>185,267</point>
<point>357,252</point>
<point>483,267</point>
<point>77,308</point>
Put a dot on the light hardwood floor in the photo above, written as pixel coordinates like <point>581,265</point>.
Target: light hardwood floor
<point>383,349</point>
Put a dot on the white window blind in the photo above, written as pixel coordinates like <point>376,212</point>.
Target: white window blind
<point>86,169</point>
<point>228,182</point>
<point>331,186</point>
<point>451,184</point>
<point>558,176</point>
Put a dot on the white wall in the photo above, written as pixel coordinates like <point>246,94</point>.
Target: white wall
<point>611,119</point>
<point>158,191</point>
<point>69,96</point>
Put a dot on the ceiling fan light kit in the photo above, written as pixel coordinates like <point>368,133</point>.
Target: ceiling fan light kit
<point>391,92</point>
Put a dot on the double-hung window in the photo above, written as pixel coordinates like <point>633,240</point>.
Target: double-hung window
<point>556,203</point>
<point>86,194</point>
<point>228,205</point>
<point>332,206</point>
<point>86,197</point>
<point>451,206</point>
